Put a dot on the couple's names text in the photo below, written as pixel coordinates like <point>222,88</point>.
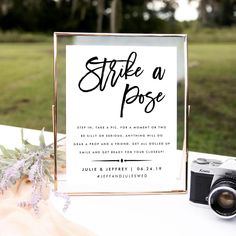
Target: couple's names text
<point>101,72</point>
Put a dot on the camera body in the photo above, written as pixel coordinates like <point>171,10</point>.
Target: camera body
<point>214,183</point>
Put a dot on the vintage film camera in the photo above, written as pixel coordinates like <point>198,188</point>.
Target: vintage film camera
<point>214,183</point>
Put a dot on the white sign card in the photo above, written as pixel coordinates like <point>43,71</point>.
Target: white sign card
<point>121,119</point>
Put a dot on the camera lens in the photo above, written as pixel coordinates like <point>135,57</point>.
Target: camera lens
<point>226,199</point>
<point>222,199</point>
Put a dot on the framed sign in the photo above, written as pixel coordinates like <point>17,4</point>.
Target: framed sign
<point>121,101</point>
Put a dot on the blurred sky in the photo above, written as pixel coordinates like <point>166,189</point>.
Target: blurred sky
<point>187,10</point>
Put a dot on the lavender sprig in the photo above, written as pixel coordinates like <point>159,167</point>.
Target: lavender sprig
<point>66,199</point>
<point>11,175</point>
<point>31,161</point>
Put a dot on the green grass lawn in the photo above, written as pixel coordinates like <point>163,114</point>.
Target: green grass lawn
<point>26,84</point>
<point>213,98</point>
<point>26,91</point>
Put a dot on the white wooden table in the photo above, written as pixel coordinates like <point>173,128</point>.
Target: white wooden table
<point>135,215</point>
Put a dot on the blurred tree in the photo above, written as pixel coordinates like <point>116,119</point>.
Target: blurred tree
<point>116,16</point>
<point>100,13</point>
<point>217,12</point>
<point>150,16</point>
<point>82,6</point>
<point>141,16</point>
<point>29,15</point>
<point>5,5</point>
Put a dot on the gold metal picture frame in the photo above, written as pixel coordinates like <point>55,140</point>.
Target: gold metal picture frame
<point>61,40</point>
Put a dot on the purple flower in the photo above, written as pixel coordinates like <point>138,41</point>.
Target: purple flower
<point>66,199</point>
<point>11,174</point>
